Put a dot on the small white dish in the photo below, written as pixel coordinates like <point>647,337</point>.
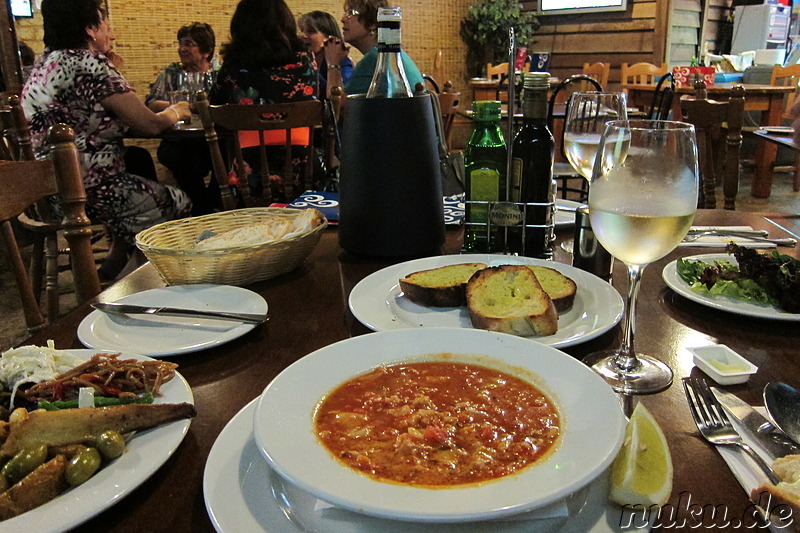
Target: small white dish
<point>722,364</point>
<point>165,336</point>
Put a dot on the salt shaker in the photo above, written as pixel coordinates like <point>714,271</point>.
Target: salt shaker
<point>588,254</point>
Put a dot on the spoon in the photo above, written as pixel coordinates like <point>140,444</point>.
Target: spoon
<point>783,405</point>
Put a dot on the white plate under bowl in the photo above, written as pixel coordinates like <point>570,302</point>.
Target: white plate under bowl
<point>242,493</point>
<point>723,303</point>
<point>592,426</point>
<point>145,454</point>
<point>378,302</point>
<point>164,336</point>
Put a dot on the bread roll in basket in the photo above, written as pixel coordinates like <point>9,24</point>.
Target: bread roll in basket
<point>241,254</point>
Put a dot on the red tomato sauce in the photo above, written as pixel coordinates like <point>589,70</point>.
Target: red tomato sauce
<point>437,423</point>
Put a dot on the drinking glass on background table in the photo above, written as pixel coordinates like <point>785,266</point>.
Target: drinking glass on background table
<point>642,201</point>
<point>186,85</point>
<point>587,114</point>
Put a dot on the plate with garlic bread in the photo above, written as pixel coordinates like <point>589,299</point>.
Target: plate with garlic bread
<point>552,303</point>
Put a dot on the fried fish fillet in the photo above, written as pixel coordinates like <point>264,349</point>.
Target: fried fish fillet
<point>70,426</point>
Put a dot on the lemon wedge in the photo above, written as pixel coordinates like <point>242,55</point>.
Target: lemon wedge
<point>642,471</point>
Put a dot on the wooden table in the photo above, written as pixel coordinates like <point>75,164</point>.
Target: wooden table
<point>308,310</point>
<point>786,140</point>
<point>767,99</point>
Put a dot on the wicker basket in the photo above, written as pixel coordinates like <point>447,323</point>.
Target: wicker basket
<point>170,247</point>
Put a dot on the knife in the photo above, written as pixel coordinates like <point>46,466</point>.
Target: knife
<point>773,440</point>
<point>733,232</point>
<point>127,309</point>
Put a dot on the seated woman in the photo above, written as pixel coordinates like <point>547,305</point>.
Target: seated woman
<point>265,62</point>
<point>360,29</point>
<point>317,27</point>
<point>74,83</point>
<point>188,159</point>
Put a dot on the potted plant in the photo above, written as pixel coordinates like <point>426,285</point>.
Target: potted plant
<point>485,31</point>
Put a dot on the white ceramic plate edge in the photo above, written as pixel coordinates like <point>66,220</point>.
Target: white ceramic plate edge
<point>281,410</point>
<point>370,299</point>
<point>145,454</point>
<point>722,303</point>
<point>252,303</point>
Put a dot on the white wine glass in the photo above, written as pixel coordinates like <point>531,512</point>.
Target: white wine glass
<point>584,122</point>
<point>642,201</point>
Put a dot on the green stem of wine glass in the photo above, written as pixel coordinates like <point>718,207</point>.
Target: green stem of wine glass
<point>626,360</point>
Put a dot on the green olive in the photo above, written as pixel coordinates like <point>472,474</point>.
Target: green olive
<point>111,444</point>
<point>82,466</point>
<point>3,484</point>
<point>25,462</point>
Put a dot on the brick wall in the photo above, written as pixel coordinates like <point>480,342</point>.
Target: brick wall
<point>146,32</point>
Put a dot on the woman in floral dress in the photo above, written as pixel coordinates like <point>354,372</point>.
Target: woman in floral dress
<point>265,62</point>
<point>73,82</point>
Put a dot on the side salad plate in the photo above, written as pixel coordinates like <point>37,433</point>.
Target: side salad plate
<point>162,336</point>
<point>378,302</point>
<point>722,303</point>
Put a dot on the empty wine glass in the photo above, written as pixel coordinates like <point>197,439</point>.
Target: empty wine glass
<point>183,88</point>
<point>642,201</point>
<point>586,116</point>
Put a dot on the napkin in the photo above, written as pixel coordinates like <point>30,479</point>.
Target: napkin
<point>557,509</point>
<point>720,241</point>
<point>744,469</point>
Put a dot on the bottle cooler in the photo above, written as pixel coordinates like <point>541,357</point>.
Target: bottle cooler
<point>390,192</point>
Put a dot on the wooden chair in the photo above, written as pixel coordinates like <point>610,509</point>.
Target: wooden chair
<point>448,102</point>
<point>641,73</point>
<point>789,77</point>
<point>497,72</point>
<point>24,183</point>
<point>719,128</point>
<point>235,118</point>
<point>599,71</point>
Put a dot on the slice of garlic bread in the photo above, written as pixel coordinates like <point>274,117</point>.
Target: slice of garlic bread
<point>440,287</point>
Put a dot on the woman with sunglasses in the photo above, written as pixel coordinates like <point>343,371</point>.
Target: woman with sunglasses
<point>360,29</point>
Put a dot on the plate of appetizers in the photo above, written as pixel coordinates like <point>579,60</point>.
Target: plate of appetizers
<point>723,303</point>
<point>163,336</point>
<point>145,452</point>
<point>379,303</point>
<point>564,398</point>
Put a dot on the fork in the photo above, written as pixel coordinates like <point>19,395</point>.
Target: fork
<point>746,235</point>
<point>714,425</point>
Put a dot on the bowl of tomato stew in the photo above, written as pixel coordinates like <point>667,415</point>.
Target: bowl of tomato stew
<point>439,424</point>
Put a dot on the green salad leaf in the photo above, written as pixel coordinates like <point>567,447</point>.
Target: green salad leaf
<point>722,278</point>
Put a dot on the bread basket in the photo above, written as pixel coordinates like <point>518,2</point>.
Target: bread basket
<point>169,246</point>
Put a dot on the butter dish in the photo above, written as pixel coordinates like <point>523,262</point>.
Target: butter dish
<point>722,364</point>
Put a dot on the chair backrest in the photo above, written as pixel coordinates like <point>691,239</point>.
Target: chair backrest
<point>719,140</point>
<point>496,72</point>
<point>26,182</point>
<point>641,73</point>
<point>448,102</point>
<point>661,105</point>
<point>259,118</point>
<point>599,71</point>
<point>787,77</point>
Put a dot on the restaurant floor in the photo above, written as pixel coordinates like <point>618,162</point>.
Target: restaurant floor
<point>12,325</point>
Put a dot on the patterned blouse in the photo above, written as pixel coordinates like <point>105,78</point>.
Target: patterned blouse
<point>67,86</point>
<point>269,85</point>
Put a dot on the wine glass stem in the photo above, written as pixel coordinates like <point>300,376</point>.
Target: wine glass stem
<point>626,361</point>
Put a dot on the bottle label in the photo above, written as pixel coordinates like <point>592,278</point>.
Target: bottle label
<point>505,214</point>
<point>516,180</point>
<point>484,186</point>
<point>389,36</point>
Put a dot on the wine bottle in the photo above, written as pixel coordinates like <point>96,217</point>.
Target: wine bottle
<point>389,80</point>
<point>532,184</point>
<point>485,159</point>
